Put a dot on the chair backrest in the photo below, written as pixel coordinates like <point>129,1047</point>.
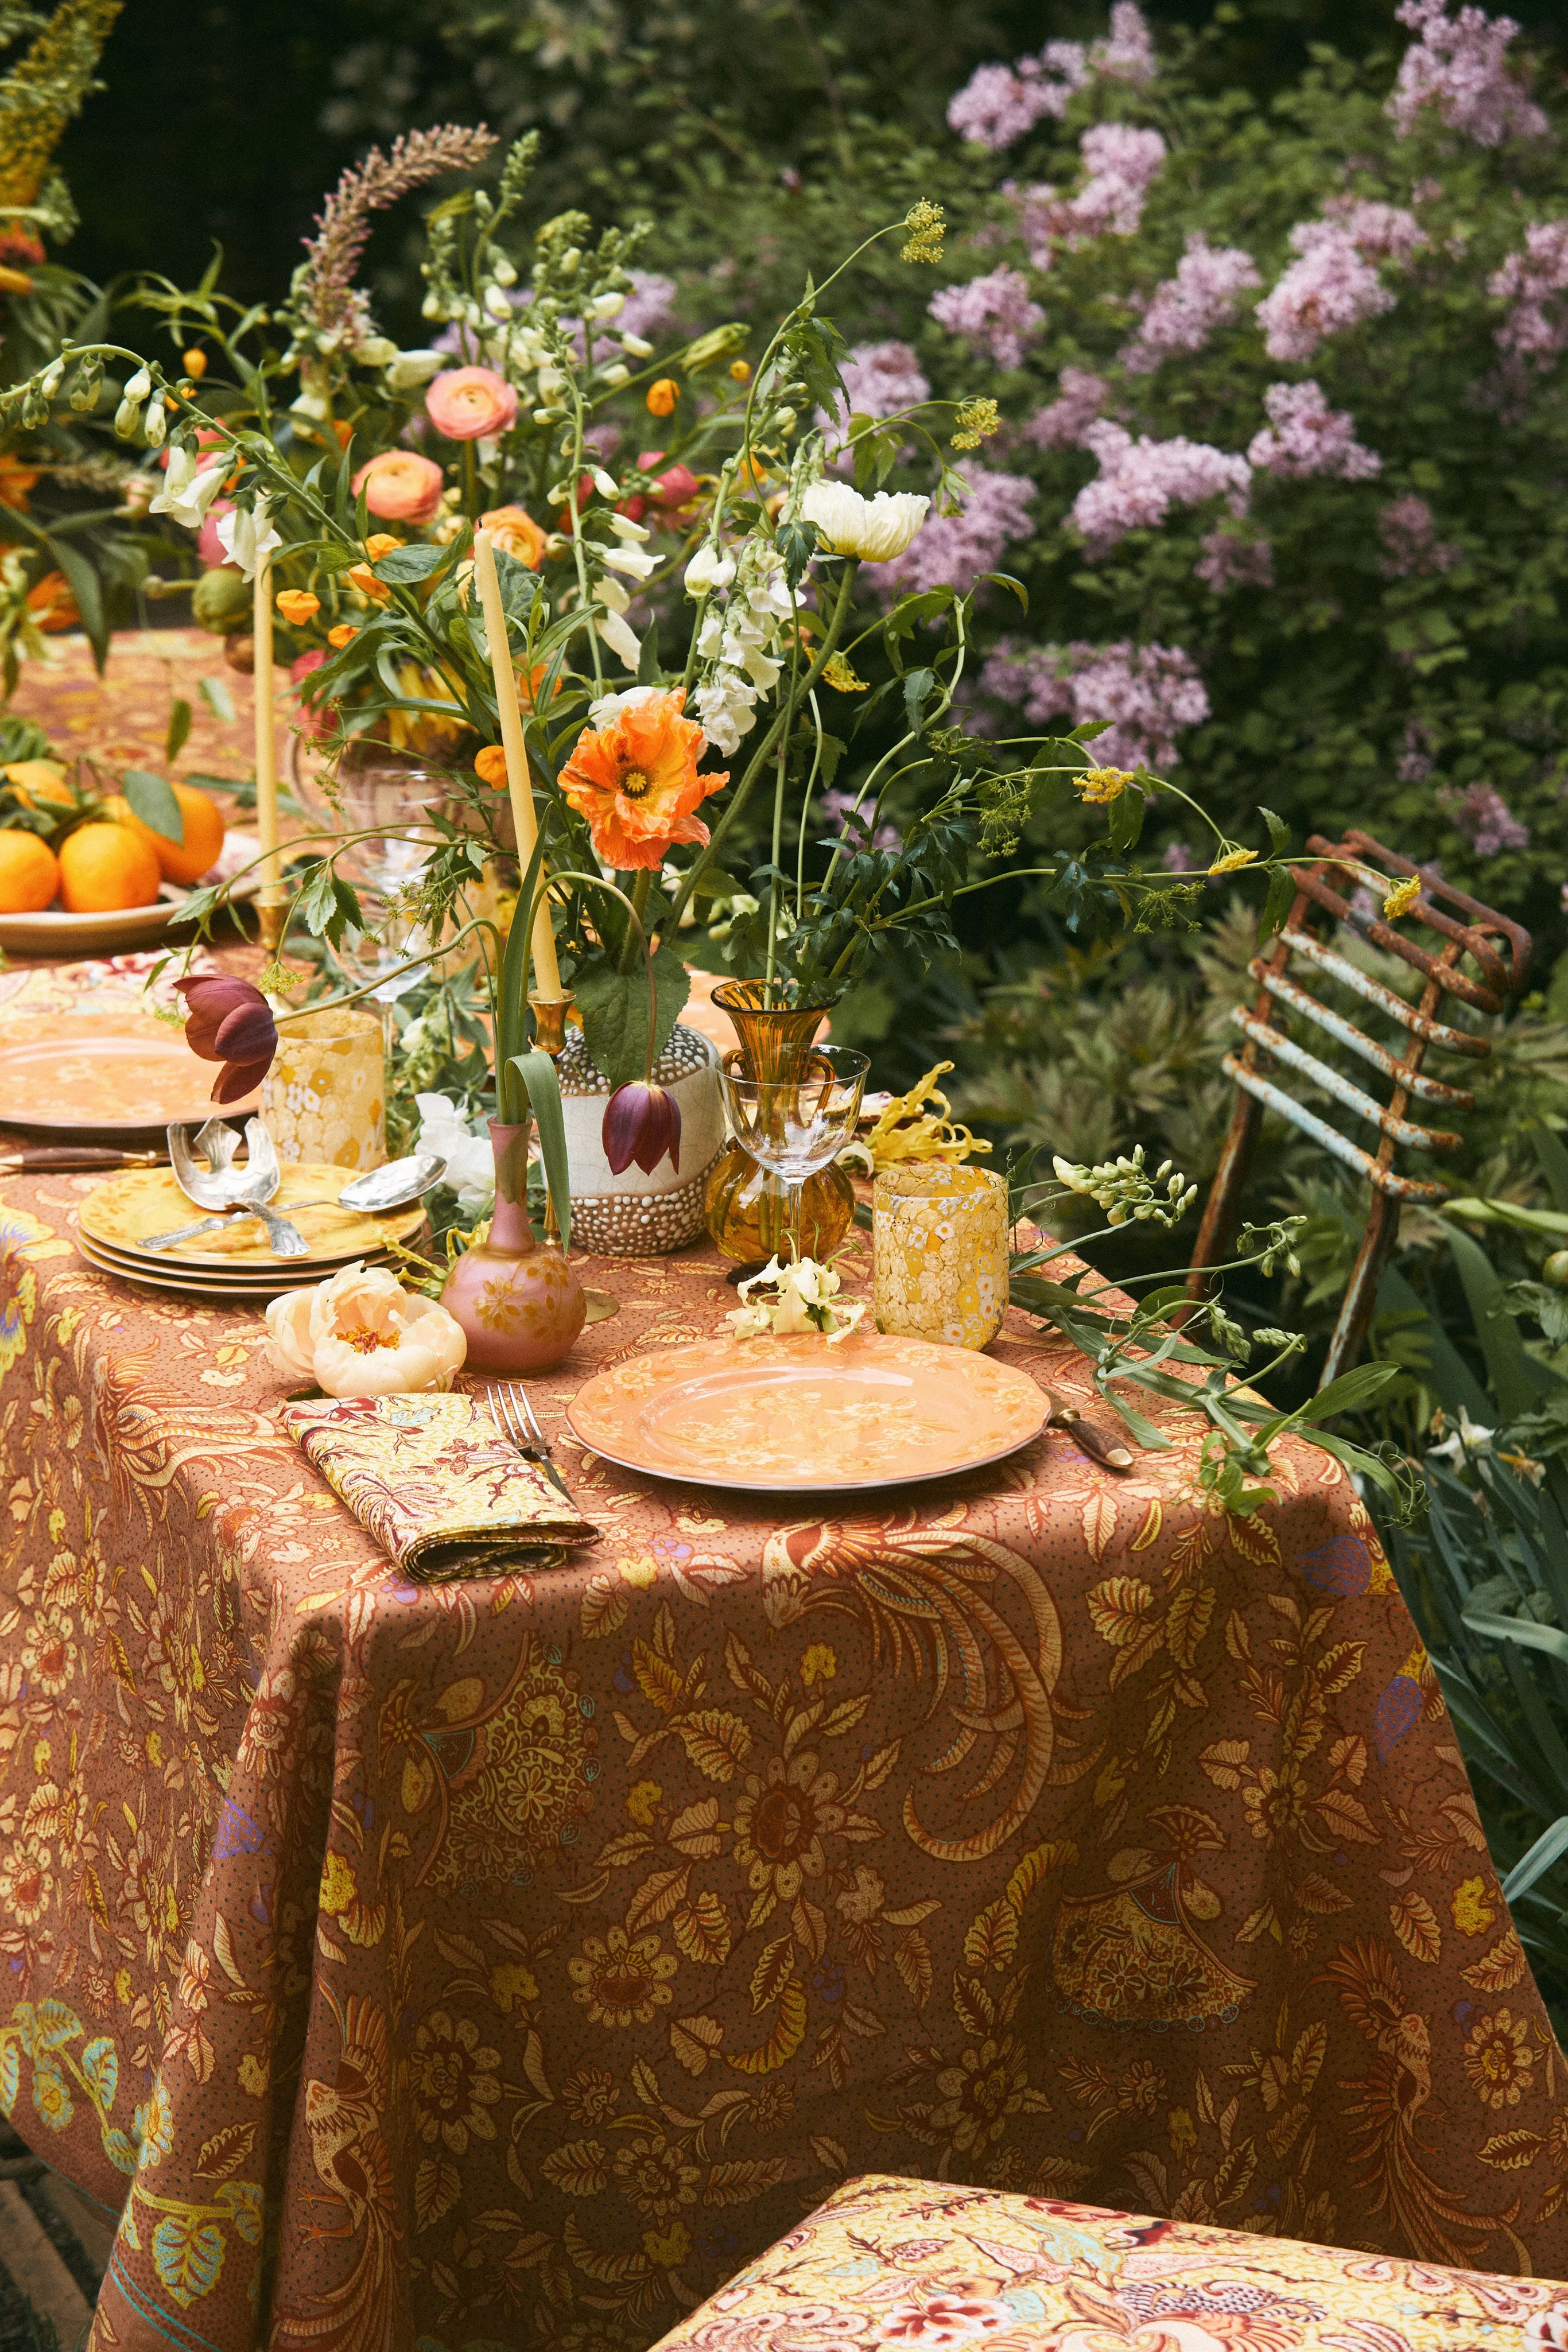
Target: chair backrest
<point>1482,959</point>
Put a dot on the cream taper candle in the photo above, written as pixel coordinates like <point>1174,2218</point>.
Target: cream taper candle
<point>547,971</point>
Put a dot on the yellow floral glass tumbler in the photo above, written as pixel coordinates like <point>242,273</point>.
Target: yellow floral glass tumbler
<point>940,1234</point>
<point>324,1098</point>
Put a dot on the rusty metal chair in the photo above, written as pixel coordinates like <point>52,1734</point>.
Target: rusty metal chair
<point>1299,955</point>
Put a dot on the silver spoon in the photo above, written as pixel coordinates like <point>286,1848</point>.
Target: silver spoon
<point>391,1187</point>
<point>221,1186</point>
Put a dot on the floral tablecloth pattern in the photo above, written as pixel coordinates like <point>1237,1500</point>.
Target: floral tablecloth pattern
<point>502,1964</point>
<point>918,2263</point>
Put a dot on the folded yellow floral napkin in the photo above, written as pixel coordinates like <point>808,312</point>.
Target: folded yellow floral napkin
<point>429,1478</point>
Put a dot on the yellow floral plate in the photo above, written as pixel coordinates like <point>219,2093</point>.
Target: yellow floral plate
<point>254,1289</point>
<point>759,1414</point>
<point>125,1210</point>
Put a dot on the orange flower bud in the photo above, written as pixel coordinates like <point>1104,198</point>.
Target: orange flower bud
<point>363,578</point>
<point>380,544</point>
<point>338,638</point>
<point>14,281</point>
<point>740,370</point>
<point>341,434</point>
<point>298,606</point>
<point>489,766</point>
<point>194,362</point>
<point>663,396</point>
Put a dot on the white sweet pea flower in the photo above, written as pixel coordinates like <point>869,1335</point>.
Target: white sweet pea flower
<point>470,1163</point>
<point>709,569</point>
<point>408,371</point>
<point>189,488</point>
<point>639,346</point>
<point>614,632</point>
<point>605,484</point>
<point>376,351</point>
<point>634,561</point>
<point>249,537</point>
<point>876,530</point>
<point>607,306</point>
<point>610,705</point>
<point>611,594</point>
<point>625,528</point>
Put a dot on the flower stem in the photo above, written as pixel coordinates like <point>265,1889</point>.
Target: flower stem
<point>634,941</point>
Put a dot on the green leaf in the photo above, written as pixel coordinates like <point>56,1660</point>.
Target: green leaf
<point>1549,1847</point>
<point>1553,1158</point>
<point>796,542</point>
<point>89,596</point>
<point>215,693</point>
<point>1278,905</point>
<point>1353,1388</point>
<point>1279,831</point>
<point>1524,1631</point>
<point>1517,1380</point>
<point>179,728</point>
<point>614,1005</point>
<point>154,801</point>
<point>405,565</point>
<point>916,687</point>
<point>543,1088</point>
<point>327,905</point>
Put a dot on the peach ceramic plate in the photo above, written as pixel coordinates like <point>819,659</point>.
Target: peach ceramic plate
<point>203,1282</point>
<point>123,1211</point>
<point>76,1079</point>
<point>867,1410</point>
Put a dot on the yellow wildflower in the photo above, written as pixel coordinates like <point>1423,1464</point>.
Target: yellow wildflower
<point>838,673</point>
<point>976,420</point>
<point>1100,785</point>
<point>1402,897</point>
<point>742,370</point>
<point>927,226</point>
<point>1233,860</point>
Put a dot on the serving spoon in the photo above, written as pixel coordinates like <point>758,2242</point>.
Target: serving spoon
<point>379,1189</point>
<point>221,1185</point>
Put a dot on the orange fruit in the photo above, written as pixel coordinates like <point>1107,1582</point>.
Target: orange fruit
<point>33,781</point>
<point>178,861</point>
<point>106,866</point>
<point>29,874</point>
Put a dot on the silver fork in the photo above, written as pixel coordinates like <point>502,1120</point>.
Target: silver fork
<point>515,1422</point>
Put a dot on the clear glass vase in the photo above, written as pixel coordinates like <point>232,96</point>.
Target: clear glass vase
<point>748,1207</point>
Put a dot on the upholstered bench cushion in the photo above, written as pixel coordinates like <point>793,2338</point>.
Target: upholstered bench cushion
<point>927,2266</point>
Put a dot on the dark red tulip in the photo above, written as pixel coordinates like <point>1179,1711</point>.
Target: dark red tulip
<point>641,1123</point>
<point>229,1020</point>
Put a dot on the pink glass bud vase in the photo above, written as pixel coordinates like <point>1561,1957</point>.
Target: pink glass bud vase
<point>517,1298</point>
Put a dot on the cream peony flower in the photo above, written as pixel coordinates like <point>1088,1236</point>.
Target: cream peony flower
<point>876,530</point>
<point>361,1334</point>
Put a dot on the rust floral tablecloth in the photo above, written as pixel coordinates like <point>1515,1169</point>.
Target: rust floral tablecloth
<point>504,1964</point>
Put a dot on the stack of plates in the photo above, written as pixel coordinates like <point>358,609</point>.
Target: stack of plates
<point>120,1216</point>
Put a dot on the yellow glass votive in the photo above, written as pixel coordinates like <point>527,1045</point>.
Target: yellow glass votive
<point>324,1098</point>
<point>940,1234</point>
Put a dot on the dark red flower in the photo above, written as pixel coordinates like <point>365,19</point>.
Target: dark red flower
<point>641,1123</point>
<point>674,489</point>
<point>229,1020</point>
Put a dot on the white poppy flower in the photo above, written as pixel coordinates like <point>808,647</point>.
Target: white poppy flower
<point>876,530</point>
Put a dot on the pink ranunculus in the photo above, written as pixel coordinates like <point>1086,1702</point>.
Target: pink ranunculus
<point>315,724</point>
<point>401,486</point>
<point>209,546</point>
<point>472,403</point>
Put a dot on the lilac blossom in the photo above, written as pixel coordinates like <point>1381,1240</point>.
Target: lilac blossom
<point>1379,232</point>
<point>852,824</point>
<point>1410,543</point>
<point>1122,162</point>
<point>882,380</point>
<point>1140,481</point>
<point>952,550</point>
<point>1416,763</point>
<point>1233,558</point>
<point>1328,289</point>
<point>1481,813</point>
<point>648,306</point>
<point>994,312</point>
<point>1184,312</point>
<point>1176,857</point>
<point>1460,66</point>
<point>998,105</point>
<point>1148,692</point>
<point>1531,333</point>
<point>1305,437</point>
<point>1080,398</point>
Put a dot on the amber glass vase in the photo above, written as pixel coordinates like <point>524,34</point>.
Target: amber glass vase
<point>748,1208</point>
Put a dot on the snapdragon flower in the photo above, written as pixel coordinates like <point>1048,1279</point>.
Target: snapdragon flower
<point>189,486</point>
<point>1127,1195</point>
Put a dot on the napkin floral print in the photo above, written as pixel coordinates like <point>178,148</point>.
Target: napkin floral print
<point>432,1481</point>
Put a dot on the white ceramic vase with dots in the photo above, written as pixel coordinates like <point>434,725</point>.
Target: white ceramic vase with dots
<point>640,1213</point>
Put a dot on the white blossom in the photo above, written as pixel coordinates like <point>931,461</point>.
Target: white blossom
<point>876,530</point>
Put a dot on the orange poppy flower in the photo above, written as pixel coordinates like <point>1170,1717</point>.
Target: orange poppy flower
<point>634,779</point>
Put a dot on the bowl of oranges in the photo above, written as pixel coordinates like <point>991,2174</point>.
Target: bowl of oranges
<point>82,872</point>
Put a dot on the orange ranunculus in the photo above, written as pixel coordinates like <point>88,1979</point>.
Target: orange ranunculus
<point>52,604</point>
<point>339,636</point>
<point>489,766</point>
<point>471,404</point>
<point>380,544</point>
<point>296,607</point>
<point>16,481</point>
<point>400,486</point>
<point>514,528</point>
<point>634,779</point>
